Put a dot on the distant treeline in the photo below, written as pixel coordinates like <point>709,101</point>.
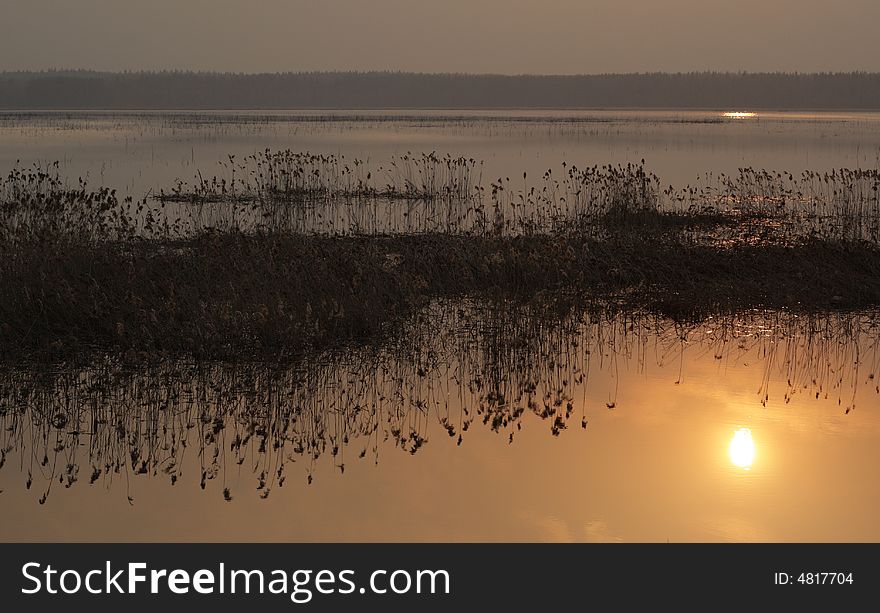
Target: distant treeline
<point>351,90</point>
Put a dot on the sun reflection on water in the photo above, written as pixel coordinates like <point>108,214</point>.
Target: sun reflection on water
<point>742,449</point>
<point>739,114</point>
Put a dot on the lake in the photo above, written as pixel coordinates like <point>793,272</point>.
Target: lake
<point>475,419</point>
<point>141,152</point>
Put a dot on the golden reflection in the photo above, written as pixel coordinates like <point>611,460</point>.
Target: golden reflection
<point>740,114</point>
<point>742,448</point>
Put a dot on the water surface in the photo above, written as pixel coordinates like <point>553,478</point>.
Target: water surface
<point>140,152</point>
<point>604,427</point>
<point>479,422</point>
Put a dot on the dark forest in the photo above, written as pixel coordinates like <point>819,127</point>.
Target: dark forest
<point>352,90</point>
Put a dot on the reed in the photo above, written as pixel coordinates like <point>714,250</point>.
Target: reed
<point>84,272</point>
<point>306,193</point>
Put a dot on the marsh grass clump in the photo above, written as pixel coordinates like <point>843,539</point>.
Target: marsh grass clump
<point>234,296</point>
<point>590,202</point>
<point>304,193</point>
<point>297,177</point>
<point>84,272</point>
<point>36,205</point>
<point>840,206</point>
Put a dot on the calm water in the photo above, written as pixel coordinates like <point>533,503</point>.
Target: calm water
<point>140,152</point>
<point>479,423</point>
<point>598,427</point>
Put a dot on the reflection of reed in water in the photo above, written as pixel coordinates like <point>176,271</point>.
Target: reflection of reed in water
<point>826,355</point>
<point>455,365</point>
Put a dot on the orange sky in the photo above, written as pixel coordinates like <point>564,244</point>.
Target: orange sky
<point>505,36</point>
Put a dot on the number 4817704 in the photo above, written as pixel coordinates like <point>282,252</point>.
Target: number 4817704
<point>825,578</point>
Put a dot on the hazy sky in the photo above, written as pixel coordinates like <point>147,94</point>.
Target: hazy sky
<point>505,36</point>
